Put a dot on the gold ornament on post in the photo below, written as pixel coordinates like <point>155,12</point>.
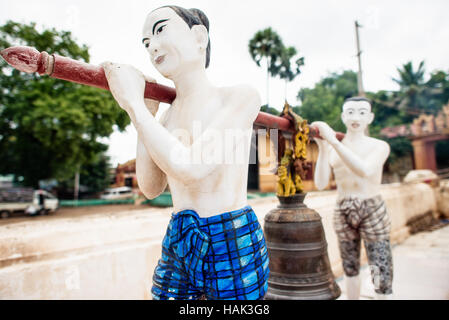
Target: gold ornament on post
<point>293,162</point>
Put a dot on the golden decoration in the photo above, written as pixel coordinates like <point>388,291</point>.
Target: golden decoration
<point>293,162</point>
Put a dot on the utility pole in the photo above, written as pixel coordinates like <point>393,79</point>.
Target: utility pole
<point>359,53</point>
<point>268,79</point>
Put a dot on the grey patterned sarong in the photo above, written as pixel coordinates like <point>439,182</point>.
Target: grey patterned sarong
<point>367,219</point>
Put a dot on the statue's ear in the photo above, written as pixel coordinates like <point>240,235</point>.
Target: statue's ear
<point>342,116</point>
<point>201,35</point>
<point>371,117</point>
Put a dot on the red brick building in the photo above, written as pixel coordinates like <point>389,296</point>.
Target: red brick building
<point>125,174</point>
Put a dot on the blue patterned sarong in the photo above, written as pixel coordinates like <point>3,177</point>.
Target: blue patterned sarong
<point>220,257</point>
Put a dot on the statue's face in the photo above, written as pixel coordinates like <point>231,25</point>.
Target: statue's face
<point>357,115</point>
<point>173,47</point>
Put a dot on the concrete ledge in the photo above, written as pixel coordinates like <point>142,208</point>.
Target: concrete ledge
<point>113,256</point>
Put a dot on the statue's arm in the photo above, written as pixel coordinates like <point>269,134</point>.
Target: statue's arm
<point>363,168</point>
<point>168,153</point>
<point>322,168</point>
<point>151,179</point>
<point>173,157</point>
<point>127,85</point>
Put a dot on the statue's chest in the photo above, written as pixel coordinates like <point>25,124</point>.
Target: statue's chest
<point>187,124</point>
<point>362,151</point>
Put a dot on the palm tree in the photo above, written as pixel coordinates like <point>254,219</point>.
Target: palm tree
<point>415,93</point>
<point>409,77</point>
<point>289,67</point>
<point>266,44</point>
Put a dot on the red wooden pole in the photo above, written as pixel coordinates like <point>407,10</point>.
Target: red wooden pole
<point>28,59</point>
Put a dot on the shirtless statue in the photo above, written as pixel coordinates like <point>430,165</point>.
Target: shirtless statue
<point>214,247</point>
<point>357,162</point>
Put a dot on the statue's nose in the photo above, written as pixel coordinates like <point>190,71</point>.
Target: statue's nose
<point>154,47</point>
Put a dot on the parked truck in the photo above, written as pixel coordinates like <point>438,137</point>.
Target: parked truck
<point>26,200</point>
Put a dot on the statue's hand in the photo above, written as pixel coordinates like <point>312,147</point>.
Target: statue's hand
<point>152,106</point>
<point>322,144</point>
<point>326,132</point>
<point>127,84</point>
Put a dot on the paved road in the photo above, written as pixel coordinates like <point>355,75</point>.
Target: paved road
<point>66,212</point>
<point>421,268</point>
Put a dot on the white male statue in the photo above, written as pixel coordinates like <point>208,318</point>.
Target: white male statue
<point>214,247</point>
<point>357,162</point>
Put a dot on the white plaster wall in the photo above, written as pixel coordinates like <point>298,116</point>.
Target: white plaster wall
<point>113,256</point>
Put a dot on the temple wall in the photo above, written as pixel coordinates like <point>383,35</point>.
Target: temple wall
<point>113,256</point>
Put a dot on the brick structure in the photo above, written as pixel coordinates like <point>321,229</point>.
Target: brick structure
<point>424,132</point>
<point>125,175</point>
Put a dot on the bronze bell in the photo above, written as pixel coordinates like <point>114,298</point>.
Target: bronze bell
<point>297,248</point>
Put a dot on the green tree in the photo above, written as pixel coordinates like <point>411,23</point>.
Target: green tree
<point>94,177</point>
<point>389,117</point>
<point>437,90</point>
<point>416,95</point>
<point>412,85</point>
<point>267,45</point>
<point>324,101</point>
<point>290,65</point>
<point>408,77</point>
<point>386,116</point>
<point>271,110</point>
<point>50,127</point>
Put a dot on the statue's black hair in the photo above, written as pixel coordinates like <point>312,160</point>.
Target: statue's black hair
<point>194,17</point>
<point>358,99</point>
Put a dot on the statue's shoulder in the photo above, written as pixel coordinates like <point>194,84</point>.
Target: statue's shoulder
<point>243,101</point>
<point>379,144</point>
<point>242,93</point>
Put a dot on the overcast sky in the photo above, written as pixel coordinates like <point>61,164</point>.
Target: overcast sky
<point>394,32</point>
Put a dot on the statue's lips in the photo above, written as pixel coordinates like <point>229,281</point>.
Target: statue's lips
<point>159,59</point>
<point>355,125</point>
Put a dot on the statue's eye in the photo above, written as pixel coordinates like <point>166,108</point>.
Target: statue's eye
<point>159,30</point>
<point>147,44</point>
